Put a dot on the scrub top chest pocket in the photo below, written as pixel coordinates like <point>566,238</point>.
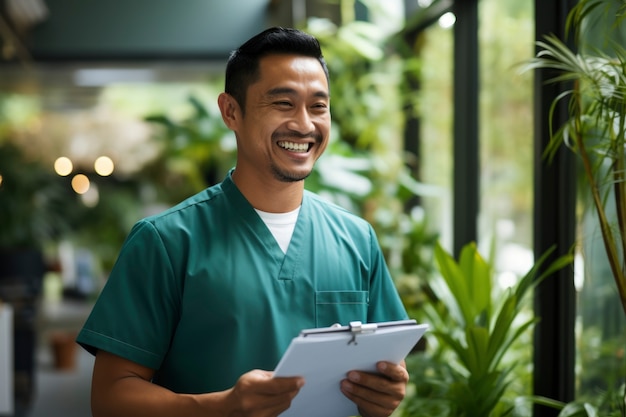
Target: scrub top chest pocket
<point>340,307</point>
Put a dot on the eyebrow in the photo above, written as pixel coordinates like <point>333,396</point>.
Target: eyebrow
<point>277,91</point>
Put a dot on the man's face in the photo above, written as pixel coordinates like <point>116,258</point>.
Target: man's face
<point>287,119</point>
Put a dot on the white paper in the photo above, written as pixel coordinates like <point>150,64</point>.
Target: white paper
<point>325,359</point>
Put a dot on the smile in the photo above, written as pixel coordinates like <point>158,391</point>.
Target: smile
<point>294,146</point>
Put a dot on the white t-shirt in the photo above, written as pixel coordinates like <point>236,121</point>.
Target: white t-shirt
<point>281,225</point>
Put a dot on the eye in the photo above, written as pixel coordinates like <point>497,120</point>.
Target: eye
<point>282,103</point>
<point>319,106</point>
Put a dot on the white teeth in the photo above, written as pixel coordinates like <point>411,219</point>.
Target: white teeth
<point>293,146</point>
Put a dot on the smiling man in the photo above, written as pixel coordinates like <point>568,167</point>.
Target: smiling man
<point>205,297</point>
<point>282,128</point>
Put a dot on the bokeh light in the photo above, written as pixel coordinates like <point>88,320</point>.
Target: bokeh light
<point>63,166</point>
<point>447,20</point>
<point>91,197</point>
<point>80,184</point>
<point>104,166</point>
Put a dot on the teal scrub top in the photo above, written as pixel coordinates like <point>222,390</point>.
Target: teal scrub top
<point>202,292</point>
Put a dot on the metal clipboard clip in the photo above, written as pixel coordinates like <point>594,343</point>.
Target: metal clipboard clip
<point>356,327</point>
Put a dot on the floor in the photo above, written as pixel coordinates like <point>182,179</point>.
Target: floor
<point>63,393</point>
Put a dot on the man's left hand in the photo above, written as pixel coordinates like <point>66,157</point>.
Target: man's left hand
<point>377,395</point>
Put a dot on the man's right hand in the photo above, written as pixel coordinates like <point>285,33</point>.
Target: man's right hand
<point>258,394</point>
<point>123,388</point>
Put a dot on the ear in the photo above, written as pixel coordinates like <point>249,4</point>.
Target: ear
<point>231,113</point>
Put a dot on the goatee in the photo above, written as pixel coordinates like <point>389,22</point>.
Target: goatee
<point>285,176</point>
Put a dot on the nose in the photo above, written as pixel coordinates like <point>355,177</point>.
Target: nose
<point>301,122</point>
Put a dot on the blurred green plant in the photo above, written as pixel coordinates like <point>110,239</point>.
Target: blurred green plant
<point>196,151</point>
<point>603,359</point>
<point>35,205</point>
<point>605,404</point>
<point>467,368</point>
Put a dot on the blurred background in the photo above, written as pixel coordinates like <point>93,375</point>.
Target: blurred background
<point>108,114</point>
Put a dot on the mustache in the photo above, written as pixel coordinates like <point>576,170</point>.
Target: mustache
<point>295,135</point>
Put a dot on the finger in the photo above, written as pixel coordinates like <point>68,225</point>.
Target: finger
<point>378,383</point>
<point>262,382</point>
<point>374,389</point>
<point>257,390</point>
<point>395,372</point>
<point>279,401</point>
<point>285,384</point>
<point>370,403</point>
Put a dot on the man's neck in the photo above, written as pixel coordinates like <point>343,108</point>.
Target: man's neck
<point>269,195</point>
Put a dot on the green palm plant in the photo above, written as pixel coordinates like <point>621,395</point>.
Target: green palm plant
<point>475,324</point>
<point>596,128</point>
<point>595,131</point>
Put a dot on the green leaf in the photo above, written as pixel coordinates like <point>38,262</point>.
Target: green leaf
<point>502,326</point>
<point>457,347</point>
<point>578,410</point>
<point>477,347</point>
<point>455,295</point>
<point>458,276</point>
<point>477,281</point>
<point>501,350</point>
<point>359,36</point>
<point>199,107</point>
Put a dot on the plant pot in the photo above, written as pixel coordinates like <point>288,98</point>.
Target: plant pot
<point>63,351</point>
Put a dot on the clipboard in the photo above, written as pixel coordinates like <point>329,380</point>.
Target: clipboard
<point>324,356</point>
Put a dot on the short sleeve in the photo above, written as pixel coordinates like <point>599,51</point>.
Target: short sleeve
<point>136,314</point>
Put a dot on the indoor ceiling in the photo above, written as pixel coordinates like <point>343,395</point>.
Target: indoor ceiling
<point>65,51</point>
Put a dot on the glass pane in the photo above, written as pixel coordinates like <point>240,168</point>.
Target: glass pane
<point>601,330</point>
<point>436,112</point>
<point>601,335</point>
<point>506,38</point>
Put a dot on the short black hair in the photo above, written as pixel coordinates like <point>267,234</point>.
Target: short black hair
<point>242,68</point>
